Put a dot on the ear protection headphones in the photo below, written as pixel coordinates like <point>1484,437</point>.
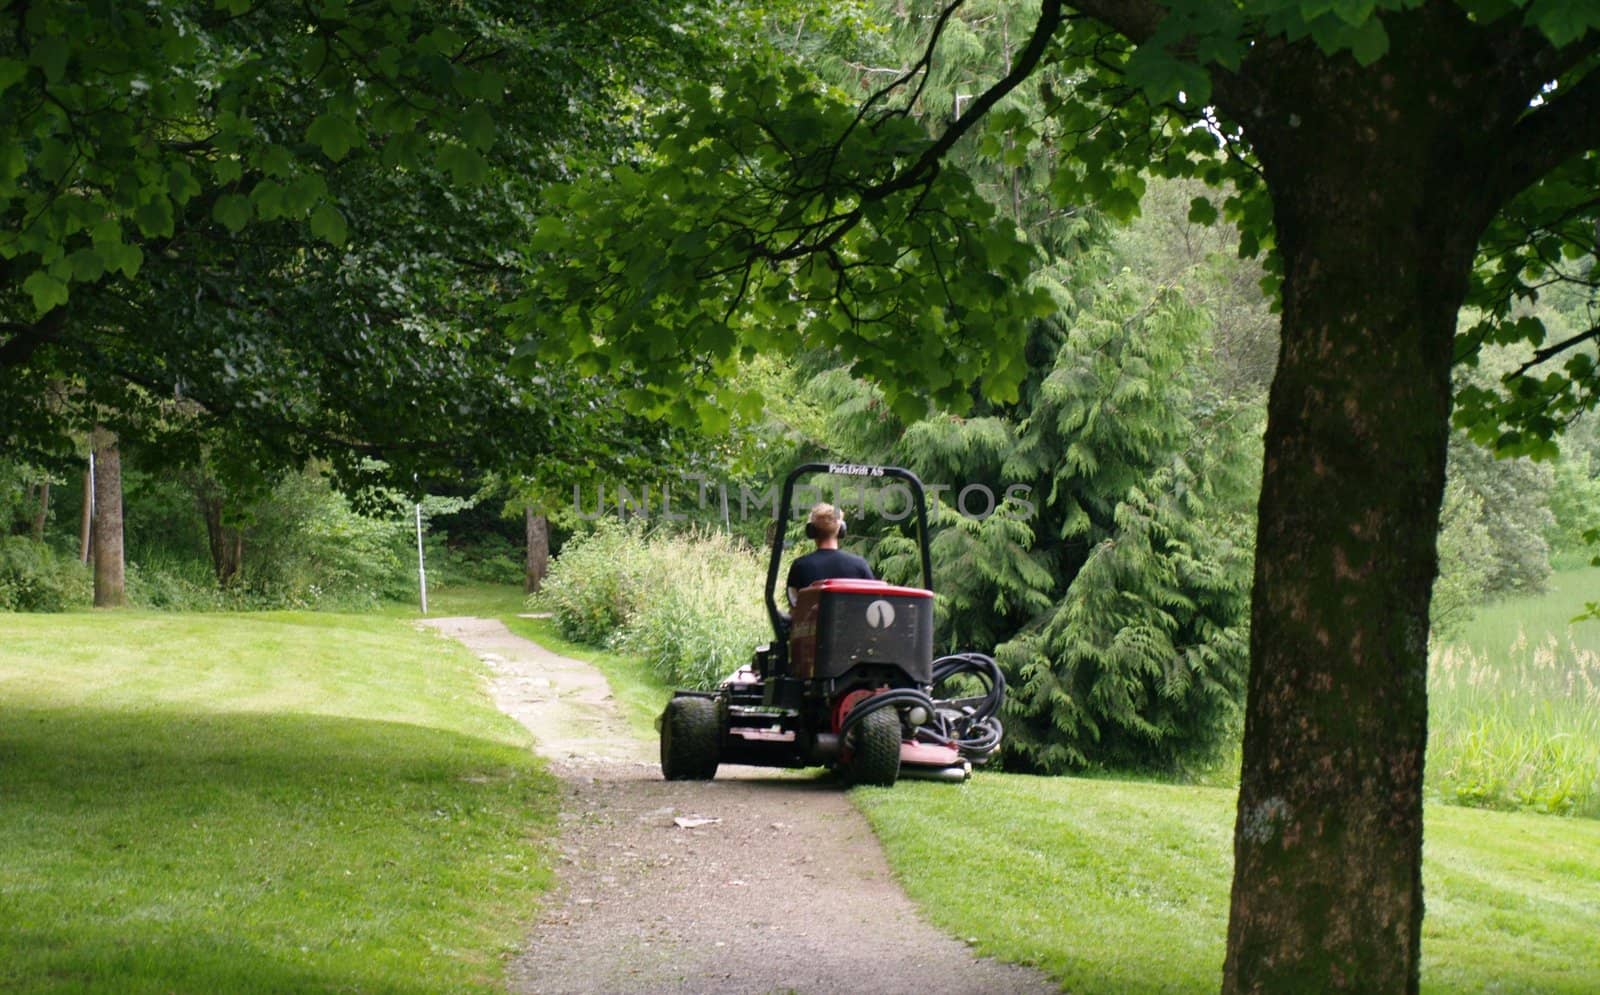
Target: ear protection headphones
<point>814,534</point>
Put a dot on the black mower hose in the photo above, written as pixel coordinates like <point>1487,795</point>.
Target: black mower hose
<point>971,725</point>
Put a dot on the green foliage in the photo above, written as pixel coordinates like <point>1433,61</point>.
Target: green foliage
<point>1575,507</point>
<point>247,112</point>
<point>1466,560</point>
<point>307,548</point>
<point>303,547</point>
<point>1112,578</point>
<point>1513,499</point>
<point>1511,700</point>
<point>284,232</point>
<point>35,578</point>
<point>177,584</point>
<point>1514,718</point>
<point>769,197</point>
<point>595,583</point>
<point>19,495</point>
<point>688,604</point>
<point>482,559</point>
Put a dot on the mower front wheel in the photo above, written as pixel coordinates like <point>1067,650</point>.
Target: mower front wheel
<point>874,753</point>
<point>690,736</point>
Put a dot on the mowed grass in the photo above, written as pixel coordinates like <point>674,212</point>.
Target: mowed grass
<point>1515,704</point>
<point>481,599</point>
<point>258,803</point>
<point>1117,887</point>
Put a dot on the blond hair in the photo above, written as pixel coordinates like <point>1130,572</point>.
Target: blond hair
<point>826,519</point>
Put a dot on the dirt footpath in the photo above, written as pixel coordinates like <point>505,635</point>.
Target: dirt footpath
<point>757,882</point>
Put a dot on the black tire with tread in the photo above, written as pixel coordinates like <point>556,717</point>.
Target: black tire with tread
<point>690,737</point>
<point>875,752</point>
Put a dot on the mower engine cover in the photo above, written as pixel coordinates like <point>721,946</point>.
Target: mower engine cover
<point>841,624</point>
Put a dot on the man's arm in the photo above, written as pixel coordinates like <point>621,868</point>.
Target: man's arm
<point>792,583</point>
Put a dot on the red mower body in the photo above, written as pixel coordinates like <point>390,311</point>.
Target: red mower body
<point>841,624</point>
<point>847,681</point>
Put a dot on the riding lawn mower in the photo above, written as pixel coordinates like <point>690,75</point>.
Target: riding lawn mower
<point>847,681</point>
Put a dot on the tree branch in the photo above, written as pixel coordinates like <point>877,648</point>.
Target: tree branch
<point>1050,17</point>
<point>1135,20</point>
<point>925,168</point>
<point>1551,351</point>
<point>1564,126</point>
<point>27,338</point>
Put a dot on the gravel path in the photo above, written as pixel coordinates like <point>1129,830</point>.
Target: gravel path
<point>758,882</point>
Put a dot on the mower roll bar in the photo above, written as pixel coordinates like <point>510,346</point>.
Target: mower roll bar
<point>849,470</point>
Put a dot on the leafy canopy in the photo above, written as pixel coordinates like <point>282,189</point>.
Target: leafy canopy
<point>294,223</point>
<point>774,214</point>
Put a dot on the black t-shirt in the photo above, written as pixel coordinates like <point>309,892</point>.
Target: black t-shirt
<point>826,564</point>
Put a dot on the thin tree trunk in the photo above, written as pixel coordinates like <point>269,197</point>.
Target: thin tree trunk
<point>538,563</point>
<point>86,520</point>
<point>225,543</point>
<point>1327,889</point>
<point>42,516</point>
<point>109,587</point>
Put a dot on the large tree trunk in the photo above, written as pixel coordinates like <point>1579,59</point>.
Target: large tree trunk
<point>109,590</point>
<point>1377,227</point>
<point>538,564</point>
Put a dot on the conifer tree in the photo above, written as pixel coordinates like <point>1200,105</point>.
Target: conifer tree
<point>1113,583</point>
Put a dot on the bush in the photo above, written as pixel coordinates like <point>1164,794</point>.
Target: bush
<point>177,584</point>
<point>1575,507</point>
<point>34,578</point>
<point>308,549</point>
<point>595,583</point>
<point>304,547</point>
<point>688,604</point>
<point>485,559</point>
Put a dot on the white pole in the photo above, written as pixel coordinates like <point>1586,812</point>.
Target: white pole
<point>422,568</point>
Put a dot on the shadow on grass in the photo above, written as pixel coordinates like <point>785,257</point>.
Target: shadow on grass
<point>170,851</point>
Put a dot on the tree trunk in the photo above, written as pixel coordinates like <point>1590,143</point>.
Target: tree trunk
<point>86,520</point>
<point>538,564</point>
<point>1327,890</point>
<point>42,516</point>
<point>109,590</point>
<point>226,543</point>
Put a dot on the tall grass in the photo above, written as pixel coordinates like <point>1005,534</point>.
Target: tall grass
<point>687,603</point>
<point>1515,706</point>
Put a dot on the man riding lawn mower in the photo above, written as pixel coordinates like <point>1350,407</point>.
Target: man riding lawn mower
<point>848,680</point>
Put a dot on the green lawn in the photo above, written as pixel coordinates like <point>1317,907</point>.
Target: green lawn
<point>481,599</point>
<point>1119,887</point>
<point>258,803</point>
<point>1495,626</point>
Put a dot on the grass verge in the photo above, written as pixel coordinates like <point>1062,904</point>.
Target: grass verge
<point>483,600</point>
<point>1120,887</point>
<point>258,803</point>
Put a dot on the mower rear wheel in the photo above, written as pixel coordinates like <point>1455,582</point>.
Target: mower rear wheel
<point>690,735</point>
<point>874,755</point>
